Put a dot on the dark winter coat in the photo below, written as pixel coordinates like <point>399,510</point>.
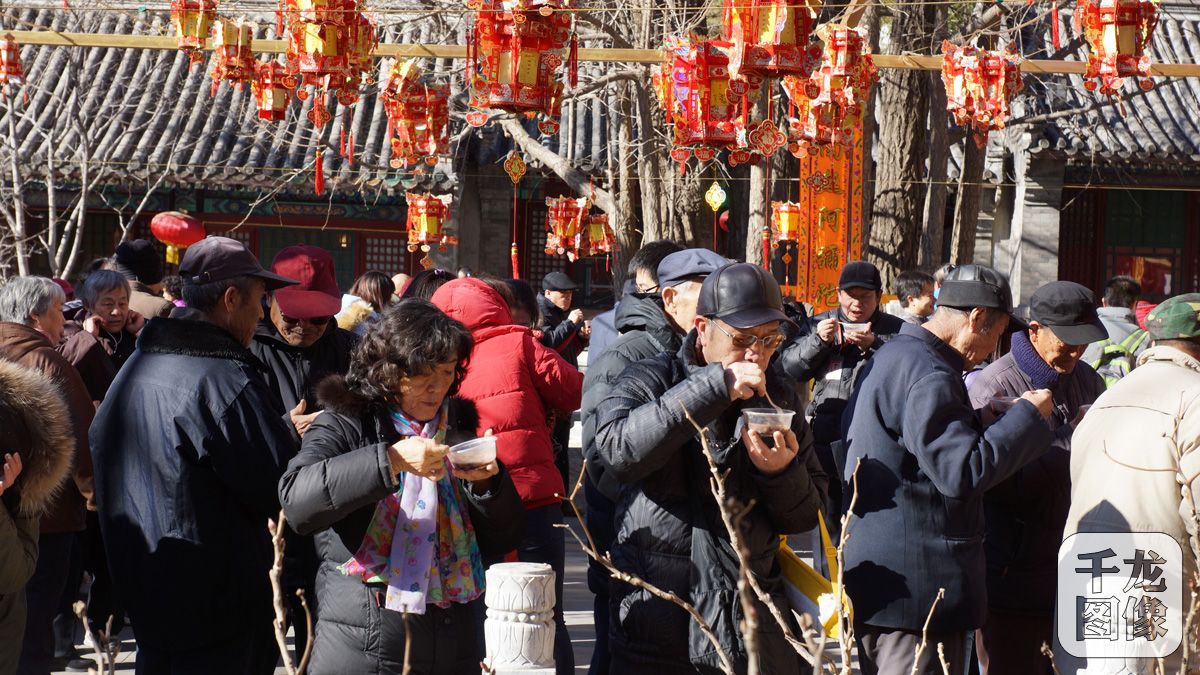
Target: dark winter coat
<point>560,334</point>
<point>293,372</point>
<point>96,358</point>
<point>1026,512</point>
<point>189,446</point>
<point>669,531</point>
<point>514,381</point>
<point>833,368</point>
<point>146,302</point>
<point>926,463</point>
<point>42,436</point>
<point>27,347</point>
<point>331,490</point>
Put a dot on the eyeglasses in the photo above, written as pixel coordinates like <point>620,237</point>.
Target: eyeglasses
<point>317,321</point>
<point>650,289</point>
<point>743,341</point>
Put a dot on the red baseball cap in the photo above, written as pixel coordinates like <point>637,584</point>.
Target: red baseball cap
<point>317,294</point>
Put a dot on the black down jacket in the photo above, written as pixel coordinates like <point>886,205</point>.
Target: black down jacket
<point>293,371</point>
<point>669,531</point>
<point>330,490</point>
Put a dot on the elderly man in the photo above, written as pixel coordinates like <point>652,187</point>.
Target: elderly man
<point>31,324</point>
<point>651,323</point>
<point>189,446</point>
<point>1026,512</point>
<point>920,461</point>
<point>1143,436</point>
<point>840,342</point>
<point>669,531</point>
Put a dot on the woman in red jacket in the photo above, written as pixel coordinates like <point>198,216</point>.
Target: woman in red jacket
<point>514,381</point>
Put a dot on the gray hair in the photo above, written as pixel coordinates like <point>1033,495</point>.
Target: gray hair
<point>204,297</point>
<point>960,315</point>
<point>23,297</point>
<point>98,283</point>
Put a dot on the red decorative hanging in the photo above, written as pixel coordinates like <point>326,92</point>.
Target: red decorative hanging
<point>193,21</point>
<point>514,166</point>
<point>11,71</point>
<point>233,52</point>
<point>980,85</point>
<point>785,223</point>
<point>564,216</point>
<point>330,43</point>
<point>1118,33</point>
<point>418,116</point>
<point>596,238</point>
<point>515,51</point>
<point>702,103</point>
<point>829,104</point>
<point>177,230</point>
<point>427,217</point>
<point>272,90</point>
<point>770,38</point>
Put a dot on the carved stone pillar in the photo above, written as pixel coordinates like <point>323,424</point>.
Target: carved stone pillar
<point>520,619</point>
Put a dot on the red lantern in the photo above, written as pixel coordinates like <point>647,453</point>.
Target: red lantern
<point>427,216</point>
<point>330,43</point>
<point>564,215</point>
<point>272,90</point>
<point>177,230</point>
<point>785,223</point>
<point>11,71</point>
<point>1118,33</point>
<point>597,237</point>
<point>979,86</point>
<point>193,21</point>
<point>418,116</point>
<point>233,52</point>
<point>830,104</point>
<point>702,103</point>
<point>769,38</point>
<point>513,55</point>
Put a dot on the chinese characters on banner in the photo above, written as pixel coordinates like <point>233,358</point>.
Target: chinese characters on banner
<point>1120,595</point>
<point>831,221</point>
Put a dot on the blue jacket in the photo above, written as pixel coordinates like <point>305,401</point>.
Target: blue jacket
<point>926,462</point>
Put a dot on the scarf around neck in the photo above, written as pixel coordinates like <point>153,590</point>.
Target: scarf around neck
<point>1040,373</point>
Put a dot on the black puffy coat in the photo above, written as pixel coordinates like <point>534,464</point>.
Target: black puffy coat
<point>669,531</point>
<point>293,371</point>
<point>330,491</point>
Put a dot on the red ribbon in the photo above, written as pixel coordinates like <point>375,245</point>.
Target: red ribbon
<point>1055,36</point>
<point>516,267</point>
<point>319,179</point>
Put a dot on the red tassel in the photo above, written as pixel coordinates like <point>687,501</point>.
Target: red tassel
<point>1055,31</point>
<point>319,179</point>
<point>573,62</point>
<point>351,156</point>
<point>516,265</point>
<point>766,249</point>
<point>342,137</point>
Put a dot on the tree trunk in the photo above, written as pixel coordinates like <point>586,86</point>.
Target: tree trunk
<point>934,222</point>
<point>651,159</point>
<point>966,207</point>
<point>900,171</point>
<point>759,199</point>
<point>20,244</point>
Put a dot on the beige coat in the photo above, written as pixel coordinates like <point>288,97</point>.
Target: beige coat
<point>1129,458</point>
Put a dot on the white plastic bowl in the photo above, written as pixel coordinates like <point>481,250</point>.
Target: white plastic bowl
<point>855,327</point>
<point>764,421</point>
<point>473,454</point>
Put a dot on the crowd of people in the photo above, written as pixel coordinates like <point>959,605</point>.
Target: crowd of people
<point>153,425</point>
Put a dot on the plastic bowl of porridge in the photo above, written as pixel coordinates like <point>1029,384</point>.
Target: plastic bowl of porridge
<point>764,421</point>
<point>855,327</point>
<point>474,454</point>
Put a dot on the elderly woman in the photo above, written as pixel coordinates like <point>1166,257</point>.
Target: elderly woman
<point>104,334</point>
<point>371,470</point>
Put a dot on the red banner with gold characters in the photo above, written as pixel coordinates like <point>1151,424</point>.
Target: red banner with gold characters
<point>830,225</point>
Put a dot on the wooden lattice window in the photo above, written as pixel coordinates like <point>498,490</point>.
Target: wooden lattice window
<point>388,254</point>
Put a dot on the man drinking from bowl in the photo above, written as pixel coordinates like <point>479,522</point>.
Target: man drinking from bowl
<point>840,342</point>
<point>669,529</point>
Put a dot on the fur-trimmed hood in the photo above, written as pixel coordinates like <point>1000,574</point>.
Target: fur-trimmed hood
<point>42,435</point>
<point>338,398</point>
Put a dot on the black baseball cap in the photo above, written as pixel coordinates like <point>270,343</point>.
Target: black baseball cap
<point>970,286</point>
<point>688,263</point>
<point>1069,311</point>
<point>860,274</point>
<point>222,258</point>
<point>557,281</point>
<point>742,295</point>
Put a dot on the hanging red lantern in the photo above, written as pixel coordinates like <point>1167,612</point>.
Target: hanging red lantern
<point>427,216</point>
<point>703,105</point>
<point>418,116</point>
<point>597,238</point>
<point>785,223</point>
<point>11,71</point>
<point>769,38</point>
<point>193,21</point>
<point>272,90</point>
<point>830,104</point>
<point>1118,32</point>
<point>513,55</point>
<point>980,85</point>
<point>177,230</point>
<point>564,216</point>
<point>330,43</point>
<point>233,52</point>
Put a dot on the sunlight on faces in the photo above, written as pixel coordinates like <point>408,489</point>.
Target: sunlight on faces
<point>922,305</point>
<point>724,344</point>
<point>239,314</point>
<point>1060,356</point>
<point>421,395</point>
<point>984,328</point>
<point>298,332</point>
<point>645,283</point>
<point>560,299</point>
<point>858,304</point>
<point>51,323</point>
<point>679,302</point>
<point>112,309</point>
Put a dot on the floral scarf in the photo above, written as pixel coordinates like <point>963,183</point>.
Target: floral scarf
<point>420,541</point>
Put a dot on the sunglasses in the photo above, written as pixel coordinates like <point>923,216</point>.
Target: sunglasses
<point>318,321</point>
<point>743,341</point>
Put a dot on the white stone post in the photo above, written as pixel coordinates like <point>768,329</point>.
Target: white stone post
<point>520,619</point>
